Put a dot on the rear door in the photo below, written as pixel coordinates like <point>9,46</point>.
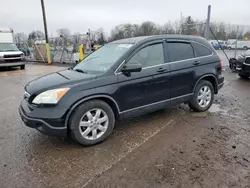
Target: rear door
<point>182,62</point>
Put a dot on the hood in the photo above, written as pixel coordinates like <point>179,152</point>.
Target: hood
<point>59,79</point>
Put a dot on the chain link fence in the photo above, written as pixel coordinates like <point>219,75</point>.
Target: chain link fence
<point>62,49</point>
<point>228,40</point>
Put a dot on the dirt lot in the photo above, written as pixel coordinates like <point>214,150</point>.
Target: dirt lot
<point>169,148</point>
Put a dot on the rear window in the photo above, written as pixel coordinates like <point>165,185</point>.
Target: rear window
<point>178,51</point>
<point>201,50</point>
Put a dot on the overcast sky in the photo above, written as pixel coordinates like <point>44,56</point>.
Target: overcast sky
<point>79,15</point>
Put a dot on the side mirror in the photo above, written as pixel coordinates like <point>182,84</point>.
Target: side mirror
<point>135,67</point>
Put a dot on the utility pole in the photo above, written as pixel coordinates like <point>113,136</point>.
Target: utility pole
<point>181,23</point>
<point>89,41</point>
<point>237,36</point>
<point>46,32</point>
<point>206,34</point>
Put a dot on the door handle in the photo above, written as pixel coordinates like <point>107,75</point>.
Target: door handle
<point>162,69</point>
<point>196,62</point>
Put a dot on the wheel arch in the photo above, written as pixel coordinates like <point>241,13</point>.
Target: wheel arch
<point>211,78</point>
<point>106,98</point>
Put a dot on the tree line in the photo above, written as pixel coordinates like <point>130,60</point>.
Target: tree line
<point>187,26</point>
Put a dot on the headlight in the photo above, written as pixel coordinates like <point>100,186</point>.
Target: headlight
<point>50,96</point>
<point>22,55</point>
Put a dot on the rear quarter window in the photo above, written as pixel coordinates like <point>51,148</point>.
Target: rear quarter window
<point>201,50</point>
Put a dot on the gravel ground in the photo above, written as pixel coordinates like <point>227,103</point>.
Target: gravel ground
<point>169,148</point>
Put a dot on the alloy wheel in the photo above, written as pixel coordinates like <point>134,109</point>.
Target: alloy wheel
<point>204,96</point>
<point>93,124</point>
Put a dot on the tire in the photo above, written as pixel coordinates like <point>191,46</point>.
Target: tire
<point>194,102</point>
<point>242,76</point>
<point>229,48</point>
<point>245,47</point>
<point>22,67</point>
<point>91,125</point>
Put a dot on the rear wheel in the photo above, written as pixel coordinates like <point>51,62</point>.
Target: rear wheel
<point>22,67</point>
<point>243,76</point>
<point>203,96</point>
<point>92,122</point>
<point>245,47</point>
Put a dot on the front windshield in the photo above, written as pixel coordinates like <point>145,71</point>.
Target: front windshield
<point>7,47</point>
<point>101,60</point>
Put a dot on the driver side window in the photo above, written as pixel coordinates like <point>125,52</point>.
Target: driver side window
<point>149,56</point>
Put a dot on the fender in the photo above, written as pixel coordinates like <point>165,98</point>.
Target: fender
<point>206,75</point>
<point>86,99</point>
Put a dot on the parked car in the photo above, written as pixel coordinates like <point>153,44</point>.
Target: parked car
<point>223,44</point>
<point>215,44</point>
<point>243,65</point>
<point>10,55</point>
<point>240,45</point>
<point>123,79</point>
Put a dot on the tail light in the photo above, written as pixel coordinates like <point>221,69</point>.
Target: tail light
<point>221,63</point>
<point>220,60</point>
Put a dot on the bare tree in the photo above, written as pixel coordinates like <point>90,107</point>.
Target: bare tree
<point>147,28</point>
<point>36,35</point>
<point>64,32</point>
<point>247,34</point>
<point>168,28</point>
<point>21,37</point>
<point>101,37</point>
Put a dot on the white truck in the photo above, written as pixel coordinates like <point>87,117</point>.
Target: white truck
<point>10,55</point>
<point>241,44</point>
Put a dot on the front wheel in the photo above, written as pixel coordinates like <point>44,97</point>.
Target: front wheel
<point>92,122</point>
<point>203,96</point>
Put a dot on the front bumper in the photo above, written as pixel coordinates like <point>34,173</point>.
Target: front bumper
<point>43,125</point>
<point>12,64</point>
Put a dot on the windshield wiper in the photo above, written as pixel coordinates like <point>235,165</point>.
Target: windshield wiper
<point>80,70</point>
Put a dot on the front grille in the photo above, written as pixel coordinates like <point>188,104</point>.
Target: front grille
<point>26,107</point>
<point>11,60</point>
<point>247,61</point>
<point>12,56</point>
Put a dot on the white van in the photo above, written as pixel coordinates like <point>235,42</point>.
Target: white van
<point>240,45</point>
<point>10,55</point>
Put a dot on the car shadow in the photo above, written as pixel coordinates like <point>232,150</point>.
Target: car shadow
<point>9,69</point>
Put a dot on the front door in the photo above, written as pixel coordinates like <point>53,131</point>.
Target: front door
<point>144,89</point>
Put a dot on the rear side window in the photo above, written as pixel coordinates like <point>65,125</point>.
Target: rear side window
<point>201,50</point>
<point>179,51</point>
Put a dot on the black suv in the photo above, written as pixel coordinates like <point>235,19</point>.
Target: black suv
<point>125,78</point>
<point>243,65</point>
